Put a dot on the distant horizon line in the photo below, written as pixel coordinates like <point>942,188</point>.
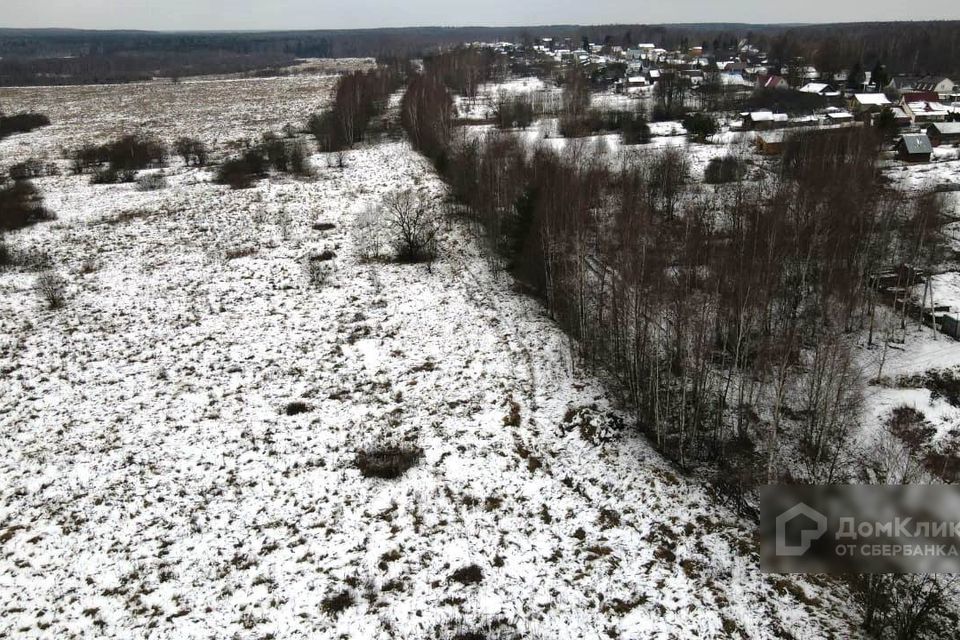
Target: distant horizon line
<point>480,26</point>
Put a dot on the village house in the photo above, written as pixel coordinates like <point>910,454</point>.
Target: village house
<point>905,83</point>
<point>633,84</point>
<point>763,120</point>
<point>839,116</point>
<point>914,147</point>
<point>939,85</point>
<point>820,88</point>
<point>866,103</point>
<point>642,52</point>
<point>733,66</point>
<point>901,117</point>
<point>943,133</point>
<point>919,96</point>
<point>923,111</point>
<point>734,80</point>
<point>772,82</point>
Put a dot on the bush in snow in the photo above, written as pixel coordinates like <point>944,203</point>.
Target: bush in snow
<point>414,226</point>
<point>296,407</point>
<point>368,232</point>
<point>388,461</point>
<point>700,125</point>
<point>193,151</point>
<point>337,603</point>
<point>299,160</point>
<point>514,111</point>
<point>33,168</point>
<point>152,182</point>
<point>21,123</point>
<point>318,267</point>
<point>21,205</point>
<point>31,258</point>
<point>52,289</point>
<point>470,574</point>
<point>724,169</point>
<point>125,155</point>
<point>110,175</point>
<point>635,129</point>
<point>276,151</point>
<point>240,173</point>
<point>593,425</point>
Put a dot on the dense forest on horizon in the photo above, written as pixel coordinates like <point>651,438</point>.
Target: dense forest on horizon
<point>64,56</point>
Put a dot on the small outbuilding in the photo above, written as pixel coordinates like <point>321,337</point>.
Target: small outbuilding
<point>943,133</point>
<point>914,147</point>
<point>770,143</point>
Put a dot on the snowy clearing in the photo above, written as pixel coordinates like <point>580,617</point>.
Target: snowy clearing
<point>180,441</point>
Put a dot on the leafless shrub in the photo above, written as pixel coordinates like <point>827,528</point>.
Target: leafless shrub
<point>29,258</point>
<point>299,160</point>
<point>296,407</point>
<point>414,226</point>
<point>33,168</point>
<point>21,205</point>
<point>127,154</point>
<point>337,160</point>
<point>152,182</point>
<point>470,574</point>
<point>89,265</point>
<point>387,461</point>
<point>368,233</point>
<point>193,151</point>
<point>337,603</point>
<point>243,251</point>
<point>514,111</point>
<point>906,607</point>
<point>318,267</point>
<point>724,169</point>
<point>52,288</point>
<point>110,175</point>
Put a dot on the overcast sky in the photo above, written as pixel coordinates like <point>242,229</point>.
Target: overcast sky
<point>322,14</point>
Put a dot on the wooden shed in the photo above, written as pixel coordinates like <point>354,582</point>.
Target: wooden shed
<point>914,147</point>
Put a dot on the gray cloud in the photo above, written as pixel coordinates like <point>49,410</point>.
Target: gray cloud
<point>313,14</point>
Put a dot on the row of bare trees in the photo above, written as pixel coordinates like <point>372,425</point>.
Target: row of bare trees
<point>360,96</point>
<point>727,313</point>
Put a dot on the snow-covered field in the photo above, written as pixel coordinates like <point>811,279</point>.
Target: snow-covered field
<point>153,484</point>
<point>943,170</point>
<point>218,111</point>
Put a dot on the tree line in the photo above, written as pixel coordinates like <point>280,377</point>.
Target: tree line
<point>360,96</point>
<point>70,56</point>
<point>727,314</point>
